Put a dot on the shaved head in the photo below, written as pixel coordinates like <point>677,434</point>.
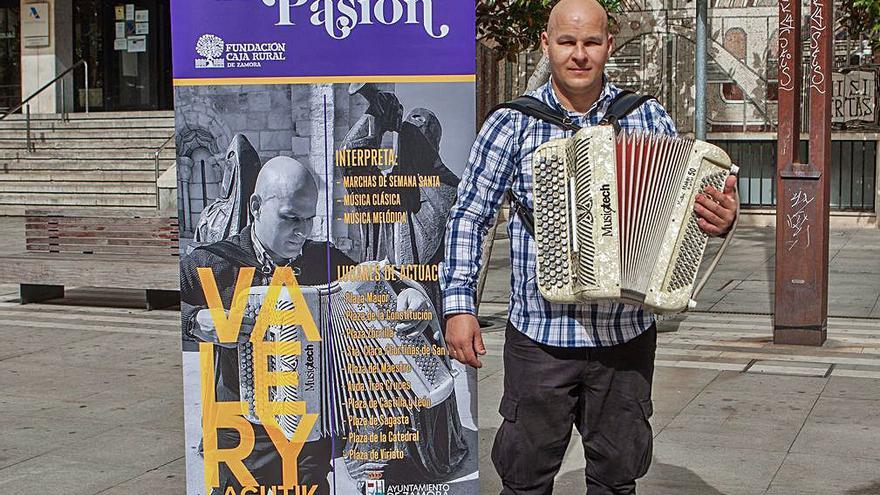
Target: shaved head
<point>284,176</point>
<point>576,11</point>
<point>284,205</point>
<point>577,44</point>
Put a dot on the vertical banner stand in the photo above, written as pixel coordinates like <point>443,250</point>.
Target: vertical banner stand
<point>319,149</point>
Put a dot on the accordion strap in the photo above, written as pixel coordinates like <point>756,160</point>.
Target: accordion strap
<point>524,212</point>
<point>533,107</point>
<point>622,105</point>
<point>229,251</point>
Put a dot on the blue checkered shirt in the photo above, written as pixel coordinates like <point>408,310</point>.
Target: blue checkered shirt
<point>501,158</point>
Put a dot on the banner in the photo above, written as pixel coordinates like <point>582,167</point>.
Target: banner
<point>319,147</point>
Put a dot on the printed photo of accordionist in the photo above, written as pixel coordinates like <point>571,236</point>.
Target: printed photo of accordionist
<point>267,214</point>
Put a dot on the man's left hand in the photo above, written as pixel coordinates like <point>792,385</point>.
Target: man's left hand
<point>716,209</point>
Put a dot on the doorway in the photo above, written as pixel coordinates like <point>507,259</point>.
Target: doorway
<point>128,48</point>
<point>10,54</point>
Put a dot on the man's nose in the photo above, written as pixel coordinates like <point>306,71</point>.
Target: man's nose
<point>580,53</point>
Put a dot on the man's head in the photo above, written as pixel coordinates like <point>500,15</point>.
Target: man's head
<point>577,43</point>
<point>283,207</point>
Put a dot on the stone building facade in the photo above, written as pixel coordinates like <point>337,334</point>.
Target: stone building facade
<point>655,54</point>
<point>278,120</point>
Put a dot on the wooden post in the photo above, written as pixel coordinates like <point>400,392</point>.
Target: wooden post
<point>802,210</point>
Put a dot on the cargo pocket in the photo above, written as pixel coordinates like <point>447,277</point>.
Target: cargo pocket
<point>504,446</point>
<point>507,409</point>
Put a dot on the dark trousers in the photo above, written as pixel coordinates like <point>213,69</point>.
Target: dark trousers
<point>604,392</point>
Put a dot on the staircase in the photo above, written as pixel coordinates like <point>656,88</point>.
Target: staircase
<point>96,160</point>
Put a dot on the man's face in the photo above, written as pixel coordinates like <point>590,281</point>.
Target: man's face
<point>284,222</point>
<point>578,45</point>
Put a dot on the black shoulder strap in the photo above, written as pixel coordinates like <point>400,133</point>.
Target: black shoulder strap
<point>622,105</point>
<point>533,107</point>
<point>229,251</point>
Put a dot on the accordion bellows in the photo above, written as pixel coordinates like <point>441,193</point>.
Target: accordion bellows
<point>614,216</point>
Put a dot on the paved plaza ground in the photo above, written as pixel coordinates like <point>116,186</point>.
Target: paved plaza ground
<point>92,388</point>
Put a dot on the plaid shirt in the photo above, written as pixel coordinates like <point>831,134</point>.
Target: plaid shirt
<point>501,158</point>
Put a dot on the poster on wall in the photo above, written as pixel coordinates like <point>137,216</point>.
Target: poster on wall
<point>319,148</point>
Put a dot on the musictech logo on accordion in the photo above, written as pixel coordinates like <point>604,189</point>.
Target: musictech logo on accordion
<point>607,211</point>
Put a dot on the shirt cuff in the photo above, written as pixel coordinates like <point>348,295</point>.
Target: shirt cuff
<point>458,300</point>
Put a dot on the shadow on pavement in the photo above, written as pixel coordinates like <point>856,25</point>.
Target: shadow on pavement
<point>871,489</point>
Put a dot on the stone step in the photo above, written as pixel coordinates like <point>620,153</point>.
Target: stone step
<point>85,154</point>
<point>7,154</point>
<point>96,176</point>
<point>118,164</point>
<point>149,114</point>
<point>133,115</point>
<point>95,160</point>
<point>73,144</point>
<point>16,203</point>
<point>96,134</point>
<point>73,156</point>
<point>155,123</point>
<point>73,189</point>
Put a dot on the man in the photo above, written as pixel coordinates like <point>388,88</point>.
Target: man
<point>283,207</point>
<point>588,365</point>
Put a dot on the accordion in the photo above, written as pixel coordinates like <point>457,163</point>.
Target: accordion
<point>614,216</point>
<point>361,367</point>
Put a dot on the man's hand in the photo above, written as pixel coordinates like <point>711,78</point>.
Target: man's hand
<point>387,109</point>
<point>203,329</point>
<point>464,340</point>
<point>717,210</point>
<point>410,299</point>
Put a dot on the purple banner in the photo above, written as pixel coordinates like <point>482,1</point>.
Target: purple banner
<point>322,38</point>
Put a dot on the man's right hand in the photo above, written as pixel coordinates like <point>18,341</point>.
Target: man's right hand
<point>203,328</point>
<point>464,340</point>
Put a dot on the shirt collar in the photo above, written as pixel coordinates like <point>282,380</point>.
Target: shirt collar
<point>267,265</point>
<point>609,91</point>
<point>262,256</point>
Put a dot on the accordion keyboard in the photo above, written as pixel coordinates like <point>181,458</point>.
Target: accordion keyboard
<point>687,260</point>
<point>553,225</point>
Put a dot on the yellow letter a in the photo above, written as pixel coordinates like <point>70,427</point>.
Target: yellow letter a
<point>227,327</point>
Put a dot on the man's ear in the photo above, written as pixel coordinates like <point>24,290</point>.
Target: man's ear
<point>610,44</point>
<point>545,42</point>
<point>255,202</point>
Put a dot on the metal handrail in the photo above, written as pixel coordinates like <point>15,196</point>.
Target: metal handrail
<point>53,81</point>
<point>156,160</point>
<point>26,105</point>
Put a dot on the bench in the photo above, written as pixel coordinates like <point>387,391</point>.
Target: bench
<point>126,249</point>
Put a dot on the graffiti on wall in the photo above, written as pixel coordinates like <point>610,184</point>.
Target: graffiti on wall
<point>744,57</point>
